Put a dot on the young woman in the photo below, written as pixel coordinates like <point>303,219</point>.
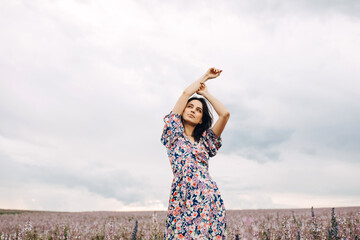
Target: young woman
<point>196,209</point>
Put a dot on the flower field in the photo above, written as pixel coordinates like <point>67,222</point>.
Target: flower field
<point>324,223</point>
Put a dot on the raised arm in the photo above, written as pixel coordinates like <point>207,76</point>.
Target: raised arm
<point>192,88</point>
<point>220,109</point>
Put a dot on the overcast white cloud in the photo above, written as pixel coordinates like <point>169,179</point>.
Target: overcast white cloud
<point>85,85</point>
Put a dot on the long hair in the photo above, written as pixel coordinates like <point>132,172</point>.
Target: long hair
<point>207,119</point>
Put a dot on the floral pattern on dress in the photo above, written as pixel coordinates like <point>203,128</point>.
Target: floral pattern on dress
<point>196,209</point>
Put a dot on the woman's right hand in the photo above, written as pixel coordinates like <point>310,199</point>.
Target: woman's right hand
<point>202,90</point>
<point>212,73</point>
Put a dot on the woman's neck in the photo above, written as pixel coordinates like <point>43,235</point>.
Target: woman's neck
<point>189,129</point>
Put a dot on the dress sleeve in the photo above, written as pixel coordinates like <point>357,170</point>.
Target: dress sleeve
<point>172,130</point>
<point>212,142</point>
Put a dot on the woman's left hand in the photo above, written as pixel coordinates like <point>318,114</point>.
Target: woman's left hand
<point>202,89</point>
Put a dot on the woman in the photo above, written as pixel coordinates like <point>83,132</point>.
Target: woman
<point>196,209</point>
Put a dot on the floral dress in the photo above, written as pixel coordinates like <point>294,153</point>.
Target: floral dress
<point>196,209</point>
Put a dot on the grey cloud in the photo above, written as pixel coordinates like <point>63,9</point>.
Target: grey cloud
<point>327,185</point>
<point>300,8</point>
<point>339,140</point>
<point>348,7</point>
<point>279,7</point>
<point>310,151</point>
<point>255,144</point>
<point>246,136</point>
<point>305,177</point>
<point>115,183</point>
<point>260,139</point>
<point>344,136</point>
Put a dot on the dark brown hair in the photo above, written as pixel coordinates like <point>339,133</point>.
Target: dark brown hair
<point>207,119</point>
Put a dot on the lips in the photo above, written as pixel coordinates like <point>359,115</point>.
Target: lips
<point>191,115</point>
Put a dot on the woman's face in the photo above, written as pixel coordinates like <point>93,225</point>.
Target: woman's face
<point>193,112</point>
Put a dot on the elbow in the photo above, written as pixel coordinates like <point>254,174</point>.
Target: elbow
<point>226,115</point>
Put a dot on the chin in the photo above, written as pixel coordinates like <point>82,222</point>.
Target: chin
<point>190,121</point>
<point>194,122</point>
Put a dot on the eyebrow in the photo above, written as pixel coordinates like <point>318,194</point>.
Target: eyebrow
<point>190,104</point>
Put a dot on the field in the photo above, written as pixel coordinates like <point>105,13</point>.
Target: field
<point>324,223</point>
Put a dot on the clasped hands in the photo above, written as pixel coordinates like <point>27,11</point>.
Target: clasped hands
<point>211,73</point>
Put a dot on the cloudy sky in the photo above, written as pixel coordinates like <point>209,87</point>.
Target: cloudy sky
<point>84,87</point>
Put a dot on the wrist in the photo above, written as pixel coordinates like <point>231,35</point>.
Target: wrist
<point>204,78</point>
<point>207,95</point>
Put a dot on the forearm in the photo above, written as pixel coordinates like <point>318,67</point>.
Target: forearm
<point>187,93</point>
<point>220,108</point>
<point>193,87</point>
<point>222,111</point>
